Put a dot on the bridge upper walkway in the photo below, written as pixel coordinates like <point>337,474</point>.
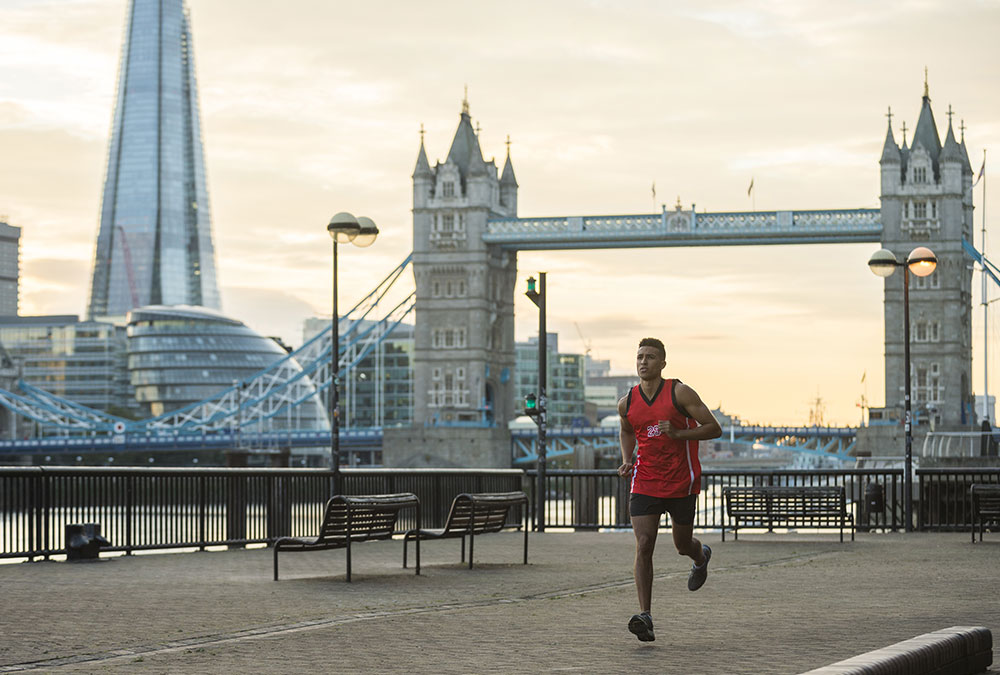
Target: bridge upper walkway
<point>687,228</point>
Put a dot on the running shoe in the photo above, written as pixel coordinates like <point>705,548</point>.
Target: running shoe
<point>642,626</point>
<point>698,574</point>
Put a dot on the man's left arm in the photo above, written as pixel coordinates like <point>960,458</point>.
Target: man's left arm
<point>708,427</point>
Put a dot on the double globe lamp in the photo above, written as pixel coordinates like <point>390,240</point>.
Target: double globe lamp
<point>344,228</point>
<point>921,262</point>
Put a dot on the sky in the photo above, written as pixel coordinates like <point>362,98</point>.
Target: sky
<point>311,107</point>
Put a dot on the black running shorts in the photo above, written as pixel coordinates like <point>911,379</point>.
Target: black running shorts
<point>681,509</point>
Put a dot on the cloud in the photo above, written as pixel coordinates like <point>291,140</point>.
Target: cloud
<point>600,99</point>
<point>270,312</point>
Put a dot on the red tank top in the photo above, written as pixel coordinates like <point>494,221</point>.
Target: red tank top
<point>665,467</point>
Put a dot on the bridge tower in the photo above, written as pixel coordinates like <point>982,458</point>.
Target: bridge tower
<point>927,201</point>
<point>463,358</point>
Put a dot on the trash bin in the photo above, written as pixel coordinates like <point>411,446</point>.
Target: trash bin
<point>84,542</point>
<point>875,497</point>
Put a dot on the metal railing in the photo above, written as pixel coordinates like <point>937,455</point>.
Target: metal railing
<point>944,497</point>
<point>598,499</point>
<point>141,509</point>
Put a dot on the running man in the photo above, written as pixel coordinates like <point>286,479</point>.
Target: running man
<point>663,420</point>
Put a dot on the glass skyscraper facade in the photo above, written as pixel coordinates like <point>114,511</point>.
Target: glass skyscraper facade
<point>155,240</point>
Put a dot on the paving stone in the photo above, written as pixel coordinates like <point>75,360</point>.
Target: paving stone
<point>783,603</point>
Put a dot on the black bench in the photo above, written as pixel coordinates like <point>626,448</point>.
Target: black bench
<point>350,520</point>
<point>473,514</point>
<point>804,506</point>
<point>985,507</point>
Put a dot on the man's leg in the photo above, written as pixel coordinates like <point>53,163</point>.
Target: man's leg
<point>645,528</point>
<point>682,526</point>
<point>686,544</point>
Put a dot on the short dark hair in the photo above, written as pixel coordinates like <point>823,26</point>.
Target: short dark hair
<point>656,344</point>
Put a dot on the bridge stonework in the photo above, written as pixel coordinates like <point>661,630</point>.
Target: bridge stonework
<point>463,360</point>
<point>926,191</point>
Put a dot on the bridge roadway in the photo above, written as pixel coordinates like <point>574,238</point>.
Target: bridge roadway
<point>831,441</point>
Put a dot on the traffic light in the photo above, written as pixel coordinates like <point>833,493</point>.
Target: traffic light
<point>531,405</point>
<point>536,295</point>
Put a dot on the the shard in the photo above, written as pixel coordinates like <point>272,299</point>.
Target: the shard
<point>155,245</point>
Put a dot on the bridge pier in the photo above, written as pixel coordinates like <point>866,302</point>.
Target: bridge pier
<point>465,447</point>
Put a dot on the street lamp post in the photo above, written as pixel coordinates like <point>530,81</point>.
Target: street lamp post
<point>537,409</point>
<point>343,228</point>
<point>921,262</point>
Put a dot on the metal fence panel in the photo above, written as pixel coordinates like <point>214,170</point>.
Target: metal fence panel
<point>141,508</point>
<point>599,498</point>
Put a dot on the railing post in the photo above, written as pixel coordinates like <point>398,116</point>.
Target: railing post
<point>921,501</point>
<point>129,502</point>
<point>35,514</point>
<point>44,514</point>
<point>236,509</point>
<point>202,507</point>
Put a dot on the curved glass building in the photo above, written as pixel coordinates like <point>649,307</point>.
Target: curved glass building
<point>180,355</point>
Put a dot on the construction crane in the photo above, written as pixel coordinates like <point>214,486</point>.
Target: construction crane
<point>128,268</point>
<point>586,342</point>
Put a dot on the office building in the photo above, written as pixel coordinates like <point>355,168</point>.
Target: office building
<point>155,244</point>
<point>564,384</point>
<point>83,361</point>
<point>182,355</point>
<point>376,383</point>
<point>10,268</point>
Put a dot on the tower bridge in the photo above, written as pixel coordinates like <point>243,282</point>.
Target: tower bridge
<point>466,235</point>
<point>467,232</point>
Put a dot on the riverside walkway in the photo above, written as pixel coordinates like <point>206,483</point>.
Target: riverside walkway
<point>777,603</point>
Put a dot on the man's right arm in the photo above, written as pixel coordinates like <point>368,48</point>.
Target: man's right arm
<point>626,438</point>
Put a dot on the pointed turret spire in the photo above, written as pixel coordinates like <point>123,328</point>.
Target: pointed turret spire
<point>423,167</point>
<point>926,133</point>
<point>890,151</point>
<point>966,164</point>
<point>507,177</point>
<point>952,151</point>
<point>465,152</point>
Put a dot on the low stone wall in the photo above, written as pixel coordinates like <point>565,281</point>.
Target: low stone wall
<point>444,447</point>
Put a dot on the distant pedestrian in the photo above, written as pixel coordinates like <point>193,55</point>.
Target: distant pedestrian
<point>662,421</point>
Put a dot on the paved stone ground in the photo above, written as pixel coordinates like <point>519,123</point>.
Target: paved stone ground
<point>773,604</point>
